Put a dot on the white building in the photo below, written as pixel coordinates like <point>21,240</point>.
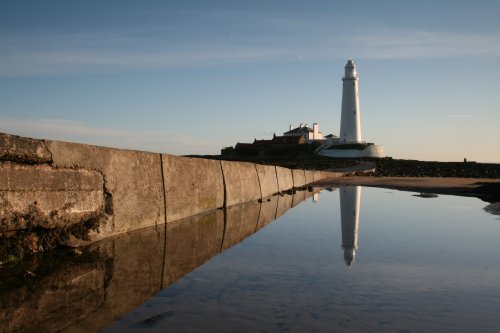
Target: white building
<point>349,143</point>
<point>310,134</point>
<point>350,121</point>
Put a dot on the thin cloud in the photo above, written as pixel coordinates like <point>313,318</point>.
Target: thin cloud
<point>39,63</point>
<point>459,116</point>
<point>411,44</point>
<point>276,40</point>
<point>59,129</point>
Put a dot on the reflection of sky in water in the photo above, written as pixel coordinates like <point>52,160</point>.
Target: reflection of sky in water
<point>421,264</point>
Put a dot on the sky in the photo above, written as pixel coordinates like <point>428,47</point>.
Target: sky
<point>192,77</point>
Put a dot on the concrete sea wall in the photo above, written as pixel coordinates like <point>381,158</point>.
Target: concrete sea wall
<point>52,184</point>
<point>267,179</point>
<point>132,182</point>
<point>191,185</point>
<point>241,182</point>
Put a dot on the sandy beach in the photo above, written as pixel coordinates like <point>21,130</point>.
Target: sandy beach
<point>484,188</point>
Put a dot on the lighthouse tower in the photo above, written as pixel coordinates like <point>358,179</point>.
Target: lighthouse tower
<point>350,124</point>
<point>350,121</point>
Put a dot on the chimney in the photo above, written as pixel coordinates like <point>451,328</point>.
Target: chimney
<point>301,125</point>
<point>315,131</point>
<point>290,127</point>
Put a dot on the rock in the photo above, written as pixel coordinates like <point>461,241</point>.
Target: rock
<point>493,208</point>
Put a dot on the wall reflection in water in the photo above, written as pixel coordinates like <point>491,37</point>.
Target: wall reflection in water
<point>64,291</point>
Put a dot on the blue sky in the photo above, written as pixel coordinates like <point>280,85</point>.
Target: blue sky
<point>194,76</point>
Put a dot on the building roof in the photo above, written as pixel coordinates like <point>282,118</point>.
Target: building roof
<point>299,130</point>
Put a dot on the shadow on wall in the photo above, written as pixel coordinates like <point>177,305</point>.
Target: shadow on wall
<point>61,291</point>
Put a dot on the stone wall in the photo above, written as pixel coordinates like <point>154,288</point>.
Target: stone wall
<point>285,179</point>
<point>241,182</point>
<point>53,184</point>
<point>267,179</point>
<point>309,176</point>
<point>191,186</point>
<point>299,177</point>
<point>44,197</point>
<point>132,182</point>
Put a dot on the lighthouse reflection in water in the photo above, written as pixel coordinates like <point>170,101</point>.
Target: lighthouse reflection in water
<point>349,214</point>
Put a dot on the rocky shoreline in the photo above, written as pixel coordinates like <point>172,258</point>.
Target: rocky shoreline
<point>413,168</point>
<point>487,190</point>
<point>384,167</point>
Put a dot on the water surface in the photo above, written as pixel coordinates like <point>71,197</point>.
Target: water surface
<point>375,260</point>
<point>348,259</point>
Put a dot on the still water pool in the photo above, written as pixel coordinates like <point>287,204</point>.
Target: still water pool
<point>347,259</point>
<point>358,259</point>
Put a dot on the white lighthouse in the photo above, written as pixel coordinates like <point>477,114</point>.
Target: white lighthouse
<point>350,121</point>
<point>349,143</point>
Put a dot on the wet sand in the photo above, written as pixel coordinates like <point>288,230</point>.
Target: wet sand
<point>484,188</point>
